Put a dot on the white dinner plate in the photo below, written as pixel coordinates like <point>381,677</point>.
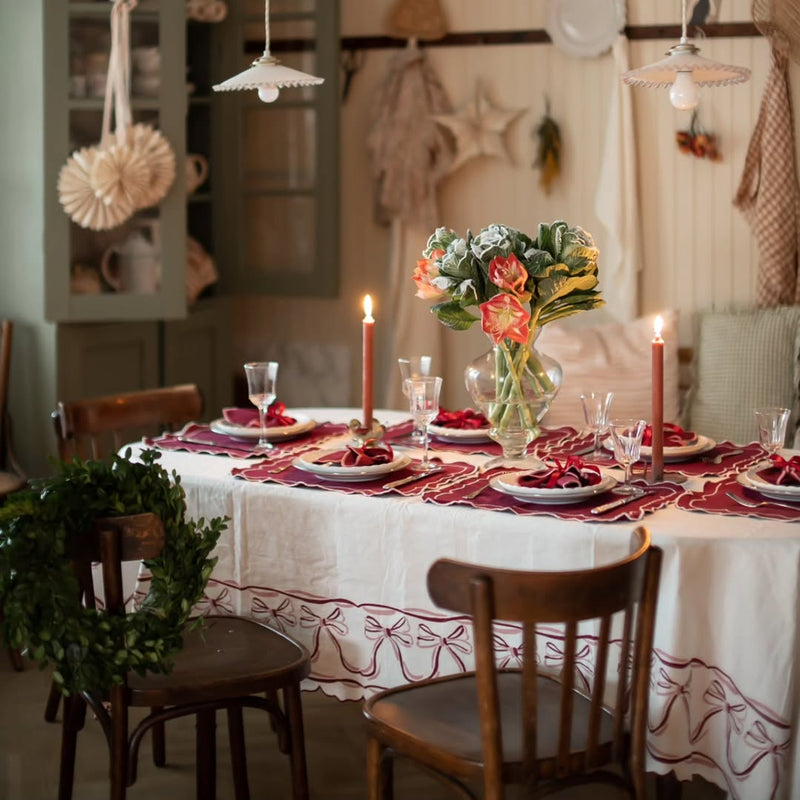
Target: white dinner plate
<point>751,480</point>
<point>465,435</point>
<point>339,473</point>
<point>674,454</point>
<point>274,434</point>
<point>508,483</point>
<point>585,28</point>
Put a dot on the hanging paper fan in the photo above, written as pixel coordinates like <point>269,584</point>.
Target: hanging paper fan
<point>159,157</point>
<point>79,199</point>
<point>120,175</point>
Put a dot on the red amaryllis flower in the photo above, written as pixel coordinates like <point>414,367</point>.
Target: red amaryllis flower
<point>504,317</point>
<point>510,275</point>
<point>424,274</point>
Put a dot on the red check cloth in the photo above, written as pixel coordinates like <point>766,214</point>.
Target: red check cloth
<point>264,472</point>
<point>195,438</point>
<point>492,500</point>
<point>714,500</point>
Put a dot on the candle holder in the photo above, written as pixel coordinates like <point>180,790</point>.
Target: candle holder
<point>362,434</point>
<point>666,477</point>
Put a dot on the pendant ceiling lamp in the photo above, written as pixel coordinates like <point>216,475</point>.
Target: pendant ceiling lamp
<point>266,74</point>
<point>683,70</point>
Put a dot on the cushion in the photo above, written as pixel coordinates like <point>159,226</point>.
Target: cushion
<point>743,360</point>
<point>610,357</point>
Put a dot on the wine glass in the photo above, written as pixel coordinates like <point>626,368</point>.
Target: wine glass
<point>261,379</point>
<point>771,424</point>
<point>414,367</point>
<point>423,394</point>
<point>596,406</point>
<point>627,437</point>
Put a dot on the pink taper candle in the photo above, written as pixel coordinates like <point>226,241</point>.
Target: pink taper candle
<point>367,332</point>
<point>658,401</point>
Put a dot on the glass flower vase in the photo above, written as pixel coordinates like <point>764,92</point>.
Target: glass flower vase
<point>513,385</point>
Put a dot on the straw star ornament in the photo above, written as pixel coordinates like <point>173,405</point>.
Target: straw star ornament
<point>479,128</point>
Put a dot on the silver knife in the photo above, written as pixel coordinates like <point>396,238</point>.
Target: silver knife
<point>628,498</point>
<point>417,476</point>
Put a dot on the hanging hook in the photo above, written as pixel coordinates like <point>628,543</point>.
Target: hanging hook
<point>352,62</point>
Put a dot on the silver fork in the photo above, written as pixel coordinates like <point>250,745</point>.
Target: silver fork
<point>717,459</point>
<point>758,503</point>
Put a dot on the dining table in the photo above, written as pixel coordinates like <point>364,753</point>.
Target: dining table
<point>341,566</point>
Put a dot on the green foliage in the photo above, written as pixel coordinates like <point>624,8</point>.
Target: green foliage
<point>91,650</point>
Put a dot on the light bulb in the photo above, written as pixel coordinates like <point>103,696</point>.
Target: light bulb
<point>268,94</point>
<point>683,92</point>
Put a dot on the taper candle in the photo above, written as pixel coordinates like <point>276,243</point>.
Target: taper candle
<point>367,333</point>
<point>657,420</point>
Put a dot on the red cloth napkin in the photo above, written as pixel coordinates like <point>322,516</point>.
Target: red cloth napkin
<point>570,474</point>
<point>248,417</point>
<point>674,436</point>
<point>369,454</point>
<point>783,472</point>
<point>467,419</point>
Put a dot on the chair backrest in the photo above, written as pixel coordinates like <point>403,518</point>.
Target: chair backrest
<point>97,427</point>
<point>6,328</point>
<point>618,601</point>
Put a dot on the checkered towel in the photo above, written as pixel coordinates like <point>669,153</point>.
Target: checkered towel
<point>768,193</point>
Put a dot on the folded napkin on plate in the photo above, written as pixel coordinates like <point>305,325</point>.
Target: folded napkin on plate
<point>467,419</point>
<point>783,472</point>
<point>674,436</point>
<point>368,455</point>
<point>571,474</point>
<point>248,417</point>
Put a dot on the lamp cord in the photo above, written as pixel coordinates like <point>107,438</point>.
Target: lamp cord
<point>683,20</point>
<point>266,27</point>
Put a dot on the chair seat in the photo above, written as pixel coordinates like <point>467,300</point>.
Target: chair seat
<point>443,714</point>
<point>235,656</point>
<point>10,482</point>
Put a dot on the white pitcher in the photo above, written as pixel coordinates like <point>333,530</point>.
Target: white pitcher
<point>137,267</point>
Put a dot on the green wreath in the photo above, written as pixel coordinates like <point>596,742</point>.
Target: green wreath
<point>41,612</point>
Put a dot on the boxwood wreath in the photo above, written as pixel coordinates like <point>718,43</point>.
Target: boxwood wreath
<point>42,614</point>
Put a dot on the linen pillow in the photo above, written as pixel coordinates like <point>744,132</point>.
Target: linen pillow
<point>611,357</point>
<point>743,360</point>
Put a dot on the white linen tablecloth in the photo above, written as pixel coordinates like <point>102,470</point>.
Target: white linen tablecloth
<point>345,575</point>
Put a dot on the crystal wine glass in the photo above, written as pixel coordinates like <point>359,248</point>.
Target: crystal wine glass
<point>596,406</point>
<point>423,395</point>
<point>771,424</point>
<point>261,379</point>
<point>413,367</point>
<point>627,437</point>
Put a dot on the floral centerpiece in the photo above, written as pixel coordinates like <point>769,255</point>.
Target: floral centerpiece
<point>517,284</point>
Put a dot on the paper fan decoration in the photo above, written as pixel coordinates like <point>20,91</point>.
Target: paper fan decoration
<point>79,199</point>
<point>120,176</point>
<point>157,153</point>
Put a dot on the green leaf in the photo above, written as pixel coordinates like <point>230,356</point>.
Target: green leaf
<point>452,315</point>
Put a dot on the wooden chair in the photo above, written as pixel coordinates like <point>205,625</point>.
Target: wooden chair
<point>12,477</point>
<point>497,727</point>
<point>98,427</point>
<point>223,665</point>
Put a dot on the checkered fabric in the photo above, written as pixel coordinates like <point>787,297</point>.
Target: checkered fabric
<point>768,193</point>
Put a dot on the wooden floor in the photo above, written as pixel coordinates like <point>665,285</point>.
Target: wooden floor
<point>29,750</point>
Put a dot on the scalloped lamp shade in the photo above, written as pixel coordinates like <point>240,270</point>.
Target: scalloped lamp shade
<point>685,57</point>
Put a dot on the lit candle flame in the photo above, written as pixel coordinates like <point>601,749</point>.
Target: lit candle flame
<point>368,309</point>
<point>658,326</point>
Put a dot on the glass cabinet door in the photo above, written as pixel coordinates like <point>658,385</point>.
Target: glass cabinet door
<point>282,157</point>
<point>133,270</point>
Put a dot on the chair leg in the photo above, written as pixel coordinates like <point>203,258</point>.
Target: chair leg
<point>119,742</point>
<point>668,787</point>
<point>16,659</point>
<point>380,771</point>
<point>158,740</point>
<point>206,765</point>
<point>74,714</point>
<point>297,753</point>
<point>53,701</point>
<point>238,753</point>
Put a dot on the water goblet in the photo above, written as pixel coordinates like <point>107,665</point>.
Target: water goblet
<point>261,379</point>
<point>771,424</point>
<point>423,396</point>
<point>627,437</point>
<point>596,406</point>
<point>413,367</point>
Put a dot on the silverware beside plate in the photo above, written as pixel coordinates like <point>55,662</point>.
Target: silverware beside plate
<point>620,501</point>
<point>758,503</point>
<point>417,476</point>
<point>720,457</point>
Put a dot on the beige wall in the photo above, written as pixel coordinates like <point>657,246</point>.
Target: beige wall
<point>698,250</point>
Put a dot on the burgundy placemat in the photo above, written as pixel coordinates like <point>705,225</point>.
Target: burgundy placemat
<point>549,438</point>
<point>714,500</point>
<point>196,438</point>
<point>266,472</point>
<point>658,496</point>
<point>701,467</point>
